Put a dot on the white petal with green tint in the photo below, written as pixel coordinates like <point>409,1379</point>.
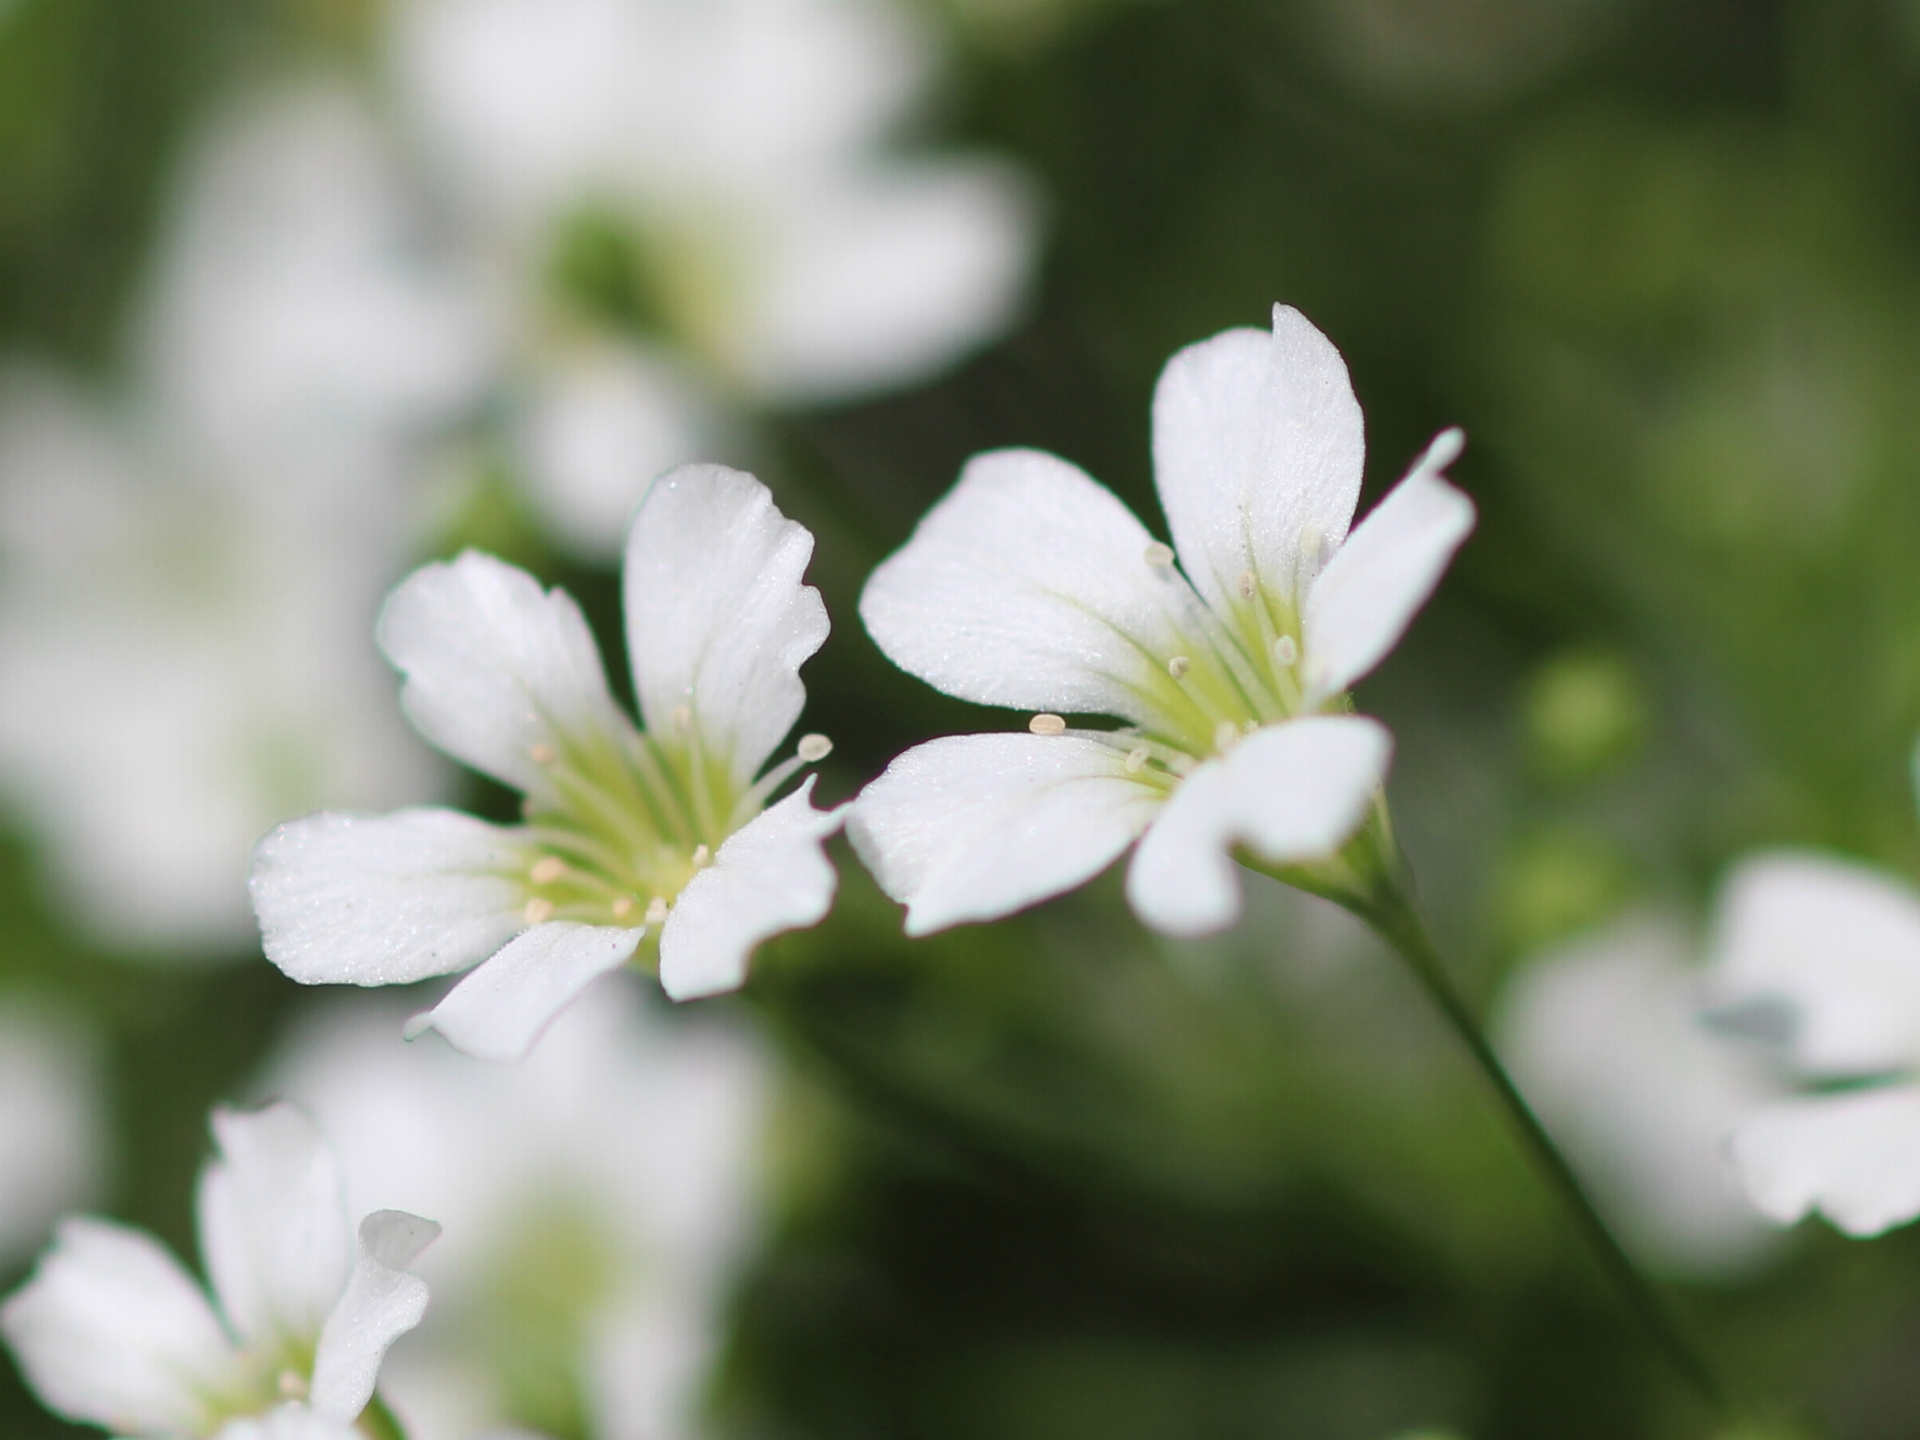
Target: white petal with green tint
<point>274,1232</point>
<point>387,899</point>
<point>499,1010</point>
<point>973,827</point>
<point>1854,1157</point>
<point>382,1301</point>
<point>288,1422</point>
<point>501,672</point>
<point>1840,944</point>
<point>1374,585</point>
<point>770,876</point>
<point>110,1331</point>
<point>1290,793</point>
<point>1032,586</point>
<point>1258,447</point>
<point>718,621</point>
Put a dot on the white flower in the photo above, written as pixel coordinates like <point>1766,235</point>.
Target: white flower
<point>111,1331</point>
<point>629,833</point>
<point>52,1125</point>
<point>1031,586</point>
<point>1823,957</point>
<point>188,569</point>
<point>715,173</point>
<point>1603,1037</point>
<point>520,1166</point>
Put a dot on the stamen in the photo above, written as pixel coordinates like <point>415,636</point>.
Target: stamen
<point>623,907</point>
<point>539,910</point>
<point>814,748</point>
<point>701,855</point>
<point>1313,546</point>
<point>547,870</point>
<point>292,1385</point>
<point>1044,724</point>
<point>1182,764</point>
<point>1178,667</point>
<point>682,718</point>
<point>543,754</point>
<point>1285,650</point>
<point>1159,555</point>
<point>1248,585</point>
<point>1225,736</point>
<point>656,911</point>
<point>1136,760</point>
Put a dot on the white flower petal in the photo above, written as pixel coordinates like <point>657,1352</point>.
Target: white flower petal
<point>386,899</point>
<point>383,1301</point>
<point>770,875</point>
<point>1840,943</point>
<point>274,1233</point>
<point>1603,1037</point>
<point>497,666</point>
<point>1363,601</point>
<point>1853,1157</point>
<point>882,278</point>
<point>499,1010</point>
<point>111,1331</point>
<point>287,1422</point>
<point>595,424</point>
<point>973,827</point>
<point>1290,792</point>
<point>1258,447</point>
<point>1029,586</point>
<point>718,620</point>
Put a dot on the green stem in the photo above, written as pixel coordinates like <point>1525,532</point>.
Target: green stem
<point>1386,909</point>
<point>377,1422</point>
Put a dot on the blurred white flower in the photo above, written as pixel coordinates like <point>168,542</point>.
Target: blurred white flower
<point>617,1167</point>
<point>716,174</point>
<point>629,833</point>
<point>1030,585</point>
<point>1603,1037</point>
<point>191,567</point>
<point>111,1331</point>
<point>52,1130</point>
<point>1823,957</point>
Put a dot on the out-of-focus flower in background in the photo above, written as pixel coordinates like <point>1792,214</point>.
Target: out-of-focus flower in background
<point>660,832</point>
<point>1031,585</point>
<point>111,1331</point>
<point>693,209</point>
<point>1823,957</point>
<point>53,1142</point>
<point>599,1200</point>
<point>1602,1034</point>
<point>193,556</point>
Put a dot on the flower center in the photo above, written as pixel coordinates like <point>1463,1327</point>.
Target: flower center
<point>628,820</point>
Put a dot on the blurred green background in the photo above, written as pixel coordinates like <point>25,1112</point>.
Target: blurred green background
<point>1055,1178</point>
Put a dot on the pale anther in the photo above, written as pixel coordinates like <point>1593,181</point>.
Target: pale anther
<point>1226,735</point>
<point>1045,724</point>
<point>292,1385</point>
<point>1159,555</point>
<point>701,855</point>
<point>1285,650</point>
<point>544,754</point>
<point>815,748</point>
<point>1178,667</point>
<point>1313,545</point>
<point>656,911</point>
<point>1248,585</point>
<point>539,910</point>
<point>547,870</point>
<point>682,718</point>
<point>1136,760</point>
<point>623,907</point>
<point>1182,764</point>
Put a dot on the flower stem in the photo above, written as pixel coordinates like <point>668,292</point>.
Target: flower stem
<point>377,1422</point>
<point>1388,911</point>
